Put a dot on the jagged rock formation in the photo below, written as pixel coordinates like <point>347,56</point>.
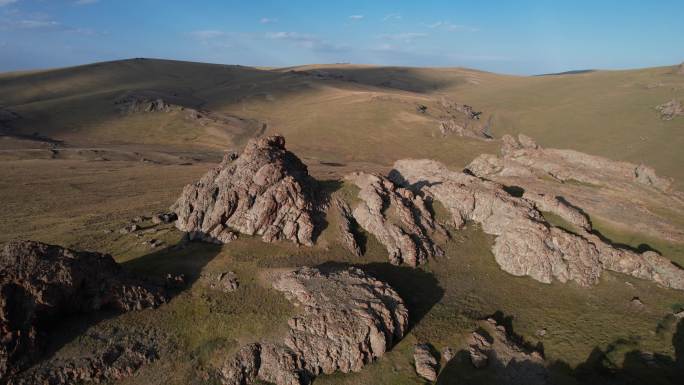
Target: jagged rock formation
<point>625,195</point>
<point>117,355</point>
<point>526,244</point>
<point>671,109</point>
<point>426,363</point>
<point>492,347</point>
<point>463,120</point>
<point>345,218</point>
<point>397,217</point>
<point>266,191</point>
<point>136,103</point>
<point>347,320</point>
<point>41,283</point>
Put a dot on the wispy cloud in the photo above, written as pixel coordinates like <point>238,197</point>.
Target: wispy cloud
<point>267,20</point>
<point>451,27</point>
<point>307,41</point>
<point>392,17</point>
<point>406,37</point>
<point>7,2</point>
<point>207,34</point>
<point>356,17</point>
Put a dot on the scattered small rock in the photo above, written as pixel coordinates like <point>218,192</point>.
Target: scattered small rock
<point>226,282</point>
<point>670,110</point>
<point>164,218</point>
<point>153,243</point>
<point>129,229</point>
<point>175,281</point>
<point>541,333</point>
<point>448,354</point>
<point>426,363</point>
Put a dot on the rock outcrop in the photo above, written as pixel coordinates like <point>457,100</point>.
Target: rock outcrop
<point>426,363</point>
<point>492,347</point>
<point>670,110</point>
<point>116,355</point>
<point>680,69</point>
<point>41,283</point>
<point>347,320</point>
<point>226,282</point>
<point>526,244</point>
<point>397,217</point>
<point>625,195</point>
<point>345,219</point>
<point>463,120</point>
<point>265,191</point>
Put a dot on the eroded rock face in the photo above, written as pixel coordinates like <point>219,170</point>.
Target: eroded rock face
<point>41,283</point>
<point>397,217</point>
<point>116,355</point>
<point>463,120</point>
<point>347,237</point>
<point>265,191</point>
<point>526,244</point>
<point>627,196</point>
<point>670,110</point>
<point>426,363</point>
<point>347,320</point>
<point>491,348</point>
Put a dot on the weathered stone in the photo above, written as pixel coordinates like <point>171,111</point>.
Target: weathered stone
<point>397,217</point>
<point>628,196</point>
<point>463,120</point>
<point>41,283</point>
<point>345,227</point>
<point>448,354</point>
<point>164,218</point>
<point>510,362</point>
<point>347,320</point>
<point>129,229</point>
<point>226,282</point>
<point>265,191</point>
<point>670,110</point>
<point>426,363</point>
<point>526,244</point>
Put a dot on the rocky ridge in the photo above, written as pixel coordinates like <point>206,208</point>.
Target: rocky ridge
<point>526,244</point>
<point>574,179</point>
<point>265,191</point>
<point>41,283</point>
<point>347,320</point>
<point>397,217</point>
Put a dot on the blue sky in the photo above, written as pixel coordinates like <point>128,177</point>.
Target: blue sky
<point>518,37</point>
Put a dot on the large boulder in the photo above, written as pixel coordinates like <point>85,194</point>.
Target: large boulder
<point>397,217</point>
<point>41,283</point>
<point>266,191</point>
<point>526,244</point>
<point>347,319</point>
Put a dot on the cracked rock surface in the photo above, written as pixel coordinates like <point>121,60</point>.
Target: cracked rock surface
<point>41,283</point>
<point>397,217</point>
<point>525,243</point>
<point>347,320</point>
<point>265,191</point>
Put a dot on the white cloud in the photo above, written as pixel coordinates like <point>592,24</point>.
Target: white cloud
<point>267,20</point>
<point>392,17</point>
<point>7,2</point>
<point>450,27</point>
<point>407,37</point>
<point>356,17</point>
<point>307,41</point>
<point>207,34</point>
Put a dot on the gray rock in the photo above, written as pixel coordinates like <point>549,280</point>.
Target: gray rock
<point>347,319</point>
<point>397,217</point>
<point>265,191</point>
<point>510,362</point>
<point>426,363</point>
<point>670,110</point>
<point>164,218</point>
<point>526,244</point>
